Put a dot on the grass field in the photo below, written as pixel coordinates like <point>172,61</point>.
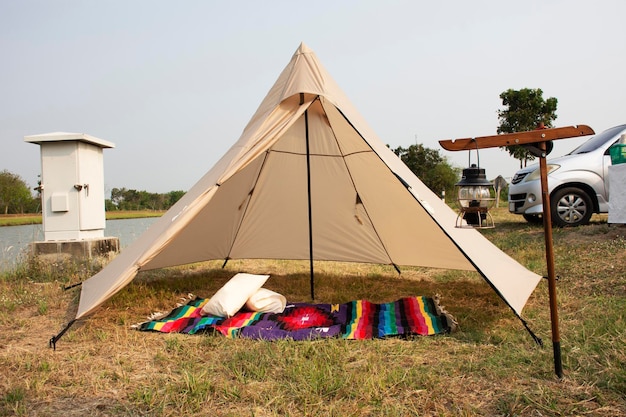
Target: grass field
<point>22,219</point>
<point>489,367</point>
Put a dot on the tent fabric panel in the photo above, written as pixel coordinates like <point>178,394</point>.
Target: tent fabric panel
<point>123,268</point>
<point>511,280</point>
<point>97,289</point>
<point>276,224</point>
<point>349,140</point>
<point>302,75</point>
<point>251,145</point>
<point>338,233</point>
<point>342,229</point>
<point>407,231</point>
<point>276,220</point>
<point>147,247</point>
<point>211,233</point>
<point>322,137</point>
<point>257,138</point>
<point>405,228</point>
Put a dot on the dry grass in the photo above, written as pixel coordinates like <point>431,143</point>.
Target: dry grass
<point>490,367</point>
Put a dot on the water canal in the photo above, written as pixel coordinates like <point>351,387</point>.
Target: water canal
<point>14,240</point>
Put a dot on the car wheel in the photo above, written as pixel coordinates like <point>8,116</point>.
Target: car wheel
<point>570,206</point>
<point>533,218</point>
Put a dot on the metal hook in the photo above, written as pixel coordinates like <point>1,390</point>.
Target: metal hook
<point>469,155</point>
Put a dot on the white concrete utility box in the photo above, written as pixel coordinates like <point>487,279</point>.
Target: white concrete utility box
<point>72,185</point>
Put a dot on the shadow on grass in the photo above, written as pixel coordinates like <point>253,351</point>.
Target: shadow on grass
<point>466,296</point>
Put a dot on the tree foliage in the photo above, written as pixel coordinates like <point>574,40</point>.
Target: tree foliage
<point>430,167</point>
<point>15,195</point>
<point>124,199</point>
<point>525,110</point>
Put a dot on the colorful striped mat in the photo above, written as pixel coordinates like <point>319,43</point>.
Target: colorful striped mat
<point>354,320</point>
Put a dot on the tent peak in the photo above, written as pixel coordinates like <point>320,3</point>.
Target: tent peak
<point>303,49</point>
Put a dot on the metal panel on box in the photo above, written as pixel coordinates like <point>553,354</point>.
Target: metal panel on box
<point>90,176</point>
<point>59,202</point>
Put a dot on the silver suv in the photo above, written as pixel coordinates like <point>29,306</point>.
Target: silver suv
<point>578,183</point>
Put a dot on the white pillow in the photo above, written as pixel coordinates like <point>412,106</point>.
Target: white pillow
<point>266,301</point>
<point>229,299</point>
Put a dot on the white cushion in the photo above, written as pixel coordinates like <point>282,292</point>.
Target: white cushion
<point>229,299</point>
<point>266,301</point>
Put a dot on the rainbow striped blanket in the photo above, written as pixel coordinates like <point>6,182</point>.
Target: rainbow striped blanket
<point>353,320</point>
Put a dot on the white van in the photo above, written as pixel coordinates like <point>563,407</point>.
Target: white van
<point>578,183</point>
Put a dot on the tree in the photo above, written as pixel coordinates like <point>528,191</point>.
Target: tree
<point>124,199</point>
<point>430,167</point>
<point>15,195</point>
<point>117,196</point>
<point>525,110</point>
<point>174,196</point>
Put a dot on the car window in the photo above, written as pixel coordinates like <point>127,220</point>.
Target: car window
<point>608,150</point>
<point>598,140</point>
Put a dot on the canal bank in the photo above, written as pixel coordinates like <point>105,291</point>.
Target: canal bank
<point>14,240</point>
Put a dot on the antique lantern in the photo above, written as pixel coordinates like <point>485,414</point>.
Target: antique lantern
<point>475,196</point>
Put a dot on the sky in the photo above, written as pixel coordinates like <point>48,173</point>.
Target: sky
<point>173,83</point>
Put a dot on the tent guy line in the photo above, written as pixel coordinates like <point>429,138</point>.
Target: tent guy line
<point>276,195</point>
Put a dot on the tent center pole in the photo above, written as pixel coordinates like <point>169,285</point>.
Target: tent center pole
<point>308,178</point>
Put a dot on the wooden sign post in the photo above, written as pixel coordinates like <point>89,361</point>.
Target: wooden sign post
<point>538,142</point>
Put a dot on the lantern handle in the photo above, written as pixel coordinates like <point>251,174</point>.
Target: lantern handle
<point>469,154</point>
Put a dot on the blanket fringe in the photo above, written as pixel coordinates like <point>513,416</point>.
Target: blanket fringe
<point>157,315</point>
<point>454,325</point>
<point>185,300</point>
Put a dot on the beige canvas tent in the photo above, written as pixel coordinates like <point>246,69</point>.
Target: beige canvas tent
<point>308,179</point>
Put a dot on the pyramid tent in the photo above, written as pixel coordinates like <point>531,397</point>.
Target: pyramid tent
<point>308,179</point>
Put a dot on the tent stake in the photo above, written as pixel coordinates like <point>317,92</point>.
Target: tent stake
<point>54,339</point>
<point>308,175</point>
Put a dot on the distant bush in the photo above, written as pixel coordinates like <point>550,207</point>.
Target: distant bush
<point>124,199</point>
<point>430,167</point>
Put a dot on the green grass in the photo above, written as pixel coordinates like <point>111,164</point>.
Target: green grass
<point>489,367</point>
<point>19,220</point>
<point>24,219</point>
